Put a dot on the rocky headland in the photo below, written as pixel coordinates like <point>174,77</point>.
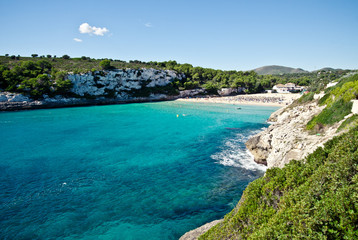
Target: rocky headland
<point>286,138</point>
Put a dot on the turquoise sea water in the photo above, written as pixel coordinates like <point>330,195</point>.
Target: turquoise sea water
<point>136,171</point>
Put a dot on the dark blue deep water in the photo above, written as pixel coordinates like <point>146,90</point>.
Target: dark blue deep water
<point>136,171</point>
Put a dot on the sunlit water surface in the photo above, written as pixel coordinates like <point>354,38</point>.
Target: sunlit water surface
<point>135,171</point>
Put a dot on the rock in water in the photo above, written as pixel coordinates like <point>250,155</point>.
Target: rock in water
<point>257,149</point>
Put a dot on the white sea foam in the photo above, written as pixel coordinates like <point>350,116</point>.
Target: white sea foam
<point>234,153</point>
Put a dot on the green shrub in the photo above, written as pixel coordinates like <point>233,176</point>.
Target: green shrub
<point>36,87</point>
<point>323,100</point>
<point>211,88</point>
<point>105,64</point>
<point>191,85</point>
<point>338,103</point>
<point>308,97</point>
<point>62,86</point>
<point>332,114</point>
<point>305,98</point>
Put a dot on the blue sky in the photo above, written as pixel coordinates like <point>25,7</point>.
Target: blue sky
<point>228,35</point>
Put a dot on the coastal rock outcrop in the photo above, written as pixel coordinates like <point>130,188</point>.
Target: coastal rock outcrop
<point>13,97</point>
<point>194,234</point>
<point>191,93</point>
<point>286,138</point>
<point>120,82</point>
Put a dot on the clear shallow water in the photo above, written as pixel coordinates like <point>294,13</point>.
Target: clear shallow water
<point>136,171</point>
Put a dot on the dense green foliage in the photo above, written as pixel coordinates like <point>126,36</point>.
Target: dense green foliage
<point>34,78</point>
<point>338,101</point>
<point>105,64</point>
<point>317,199</point>
<point>195,77</point>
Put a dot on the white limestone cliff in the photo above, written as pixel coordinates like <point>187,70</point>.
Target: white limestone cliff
<point>120,81</point>
<point>13,97</point>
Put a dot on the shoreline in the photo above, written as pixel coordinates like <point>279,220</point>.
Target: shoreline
<point>260,99</point>
<point>19,106</point>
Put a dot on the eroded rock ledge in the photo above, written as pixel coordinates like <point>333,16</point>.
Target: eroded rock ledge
<point>286,138</point>
<point>196,233</point>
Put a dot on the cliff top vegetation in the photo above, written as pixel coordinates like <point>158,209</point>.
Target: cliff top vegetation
<point>338,103</point>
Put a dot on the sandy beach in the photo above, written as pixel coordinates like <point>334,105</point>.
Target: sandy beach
<point>264,99</point>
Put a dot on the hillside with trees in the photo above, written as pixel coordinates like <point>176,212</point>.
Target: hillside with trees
<point>38,75</point>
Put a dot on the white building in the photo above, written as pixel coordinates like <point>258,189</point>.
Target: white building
<point>280,88</point>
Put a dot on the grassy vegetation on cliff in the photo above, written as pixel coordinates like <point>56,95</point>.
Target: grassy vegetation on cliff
<point>349,123</point>
<point>308,97</point>
<point>338,101</point>
<point>317,199</point>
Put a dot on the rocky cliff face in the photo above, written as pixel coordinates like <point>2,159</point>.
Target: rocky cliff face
<point>13,97</point>
<point>120,82</point>
<point>286,138</point>
<point>99,87</point>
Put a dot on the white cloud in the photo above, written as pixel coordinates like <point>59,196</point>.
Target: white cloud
<point>86,28</point>
<point>77,40</point>
<point>148,25</point>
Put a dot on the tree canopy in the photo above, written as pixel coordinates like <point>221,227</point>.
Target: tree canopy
<point>105,64</point>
